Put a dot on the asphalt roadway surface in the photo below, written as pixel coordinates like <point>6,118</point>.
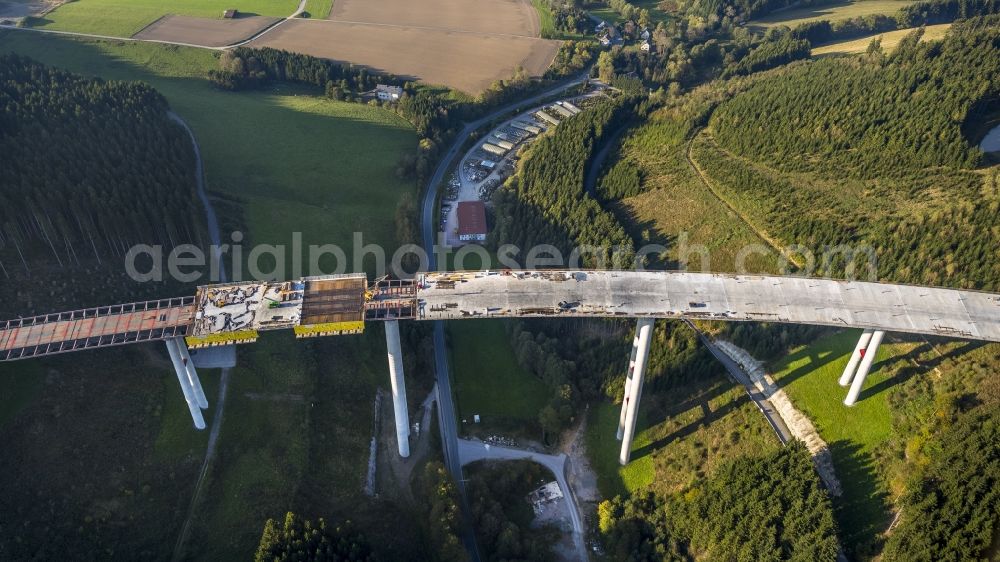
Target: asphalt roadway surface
<point>446,407</point>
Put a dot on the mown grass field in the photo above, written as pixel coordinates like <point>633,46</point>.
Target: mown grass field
<point>318,9</point>
<point>889,41</point>
<point>177,437</point>
<point>296,427</point>
<point>605,13</point>
<point>809,375</point>
<point>682,435</point>
<point>831,12</point>
<point>489,382</point>
<point>124,18</point>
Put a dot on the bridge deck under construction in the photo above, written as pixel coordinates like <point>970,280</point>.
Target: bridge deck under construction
<point>341,304</point>
<point>95,327</point>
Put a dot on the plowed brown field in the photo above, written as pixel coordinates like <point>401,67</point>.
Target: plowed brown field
<point>204,31</point>
<point>514,17</point>
<point>464,60</point>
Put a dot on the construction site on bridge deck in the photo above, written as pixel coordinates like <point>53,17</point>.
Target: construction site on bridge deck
<point>235,313</point>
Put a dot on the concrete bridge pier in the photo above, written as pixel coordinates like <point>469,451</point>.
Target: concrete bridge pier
<point>183,378</point>
<point>199,392</point>
<point>633,386</point>
<point>398,386</point>
<point>866,365</point>
<point>628,380</point>
<point>859,352</point>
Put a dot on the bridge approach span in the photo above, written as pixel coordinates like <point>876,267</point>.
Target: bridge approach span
<point>661,294</point>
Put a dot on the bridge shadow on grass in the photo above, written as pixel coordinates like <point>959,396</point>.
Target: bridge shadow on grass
<point>862,512</point>
<point>909,365</point>
<point>707,418</point>
<point>699,396</point>
<point>824,351</point>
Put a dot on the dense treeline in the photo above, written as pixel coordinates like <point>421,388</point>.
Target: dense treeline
<point>738,10</point>
<point>498,501</point>
<point>878,121</point>
<point>630,12</point>
<point>954,511</point>
<point>585,361</point>
<point>247,68</point>
<point>766,342</point>
<point>545,202</point>
<point>769,55</point>
<point>441,514</point>
<point>297,539</point>
<point>874,116</point>
<point>754,508</point>
<point>90,167</point>
<point>567,16</point>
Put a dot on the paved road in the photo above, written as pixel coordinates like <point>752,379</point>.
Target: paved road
<point>470,451</point>
<point>773,418</point>
<point>446,407</point>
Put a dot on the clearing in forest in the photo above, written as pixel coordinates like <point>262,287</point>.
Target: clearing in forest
<point>830,12</point>
<point>889,41</point>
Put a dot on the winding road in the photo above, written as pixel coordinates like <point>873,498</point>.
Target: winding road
<point>446,406</point>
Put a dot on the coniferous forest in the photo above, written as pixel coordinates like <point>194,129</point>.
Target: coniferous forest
<point>114,170</point>
<point>546,202</point>
<point>890,129</point>
<point>756,508</point>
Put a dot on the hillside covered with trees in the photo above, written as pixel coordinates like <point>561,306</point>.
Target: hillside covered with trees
<point>872,150</point>
<point>545,203</point>
<point>90,168</point>
<point>770,507</point>
<point>876,152</point>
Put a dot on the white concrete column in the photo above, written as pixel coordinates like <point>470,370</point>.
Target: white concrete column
<point>398,386</point>
<point>199,392</point>
<point>859,352</point>
<point>182,378</point>
<point>866,365</point>
<point>644,335</point>
<point>628,379</point>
